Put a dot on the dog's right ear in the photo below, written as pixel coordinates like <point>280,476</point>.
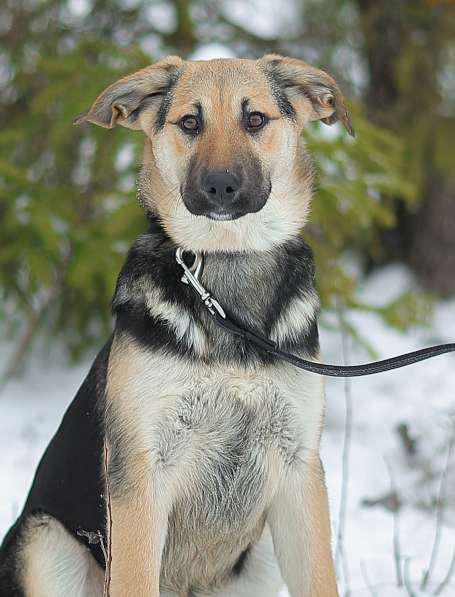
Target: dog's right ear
<point>122,102</point>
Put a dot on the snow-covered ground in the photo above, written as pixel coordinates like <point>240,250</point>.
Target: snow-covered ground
<point>421,396</point>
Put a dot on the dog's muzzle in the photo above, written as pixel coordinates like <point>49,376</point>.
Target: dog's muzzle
<point>225,194</point>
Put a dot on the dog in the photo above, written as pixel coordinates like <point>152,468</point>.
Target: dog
<point>188,463</point>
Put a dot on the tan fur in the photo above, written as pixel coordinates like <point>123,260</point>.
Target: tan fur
<point>301,530</point>
<point>322,574</point>
<point>220,86</point>
<point>159,486</point>
<point>108,111</point>
<point>138,531</point>
<point>139,517</point>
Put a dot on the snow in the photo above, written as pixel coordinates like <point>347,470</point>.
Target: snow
<point>421,396</point>
<point>211,51</point>
<point>265,19</point>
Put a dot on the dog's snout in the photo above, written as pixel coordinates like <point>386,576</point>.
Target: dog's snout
<point>225,193</point>
<point>221,185</point>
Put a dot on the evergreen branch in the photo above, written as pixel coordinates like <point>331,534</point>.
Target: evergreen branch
<point>34,322</point>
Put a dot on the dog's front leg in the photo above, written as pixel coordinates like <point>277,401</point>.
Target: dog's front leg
<point>300,525</point>
<point>139,525</point>
<point>141,491</point>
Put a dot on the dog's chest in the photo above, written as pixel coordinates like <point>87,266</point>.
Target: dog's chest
<point>223,436</point>
<point>220,439</point>
<point>223,442</point>
<point>221,430</point>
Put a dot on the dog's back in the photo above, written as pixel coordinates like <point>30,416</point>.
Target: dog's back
<point>68,484</point>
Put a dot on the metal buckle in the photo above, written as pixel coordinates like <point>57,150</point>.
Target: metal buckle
<point>191,277</point>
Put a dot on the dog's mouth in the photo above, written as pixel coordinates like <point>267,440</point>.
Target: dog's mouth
<point>222,216</point>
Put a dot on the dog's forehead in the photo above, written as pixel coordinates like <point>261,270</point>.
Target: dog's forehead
<point>223,83</point>
<point>223,70</point>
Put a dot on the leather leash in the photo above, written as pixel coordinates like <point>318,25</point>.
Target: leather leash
<point>191,277</point>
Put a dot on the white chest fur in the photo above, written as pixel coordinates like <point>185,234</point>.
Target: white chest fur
<point>221,438</point>
<point>175,407</point>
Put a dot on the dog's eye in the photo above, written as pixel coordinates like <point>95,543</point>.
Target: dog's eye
<point>190,124</point>
<point>255,121</point>
<point>327,100</point>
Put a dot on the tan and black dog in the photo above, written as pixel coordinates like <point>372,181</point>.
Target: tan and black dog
<point>212,447</point>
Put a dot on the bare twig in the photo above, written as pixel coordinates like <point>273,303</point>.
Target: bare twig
<point>396,529</point>
<point>103,547</point>
<point>409,443</point>
<point>108,556</point>
<point>340,558</point>
<point>440,507</point>
<point>448,577</point>
<point>367,580</point>
<point>407,579</point>
<point>94,538</point>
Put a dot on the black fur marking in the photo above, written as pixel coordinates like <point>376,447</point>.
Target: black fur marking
<point>239,566</point>
<point>198,108</point>
<point>68,483</point>
<point>168,96</point>
<point>148,100</point>
<point>152,332</point>
<point>278,84</point>
<point>245,104</point>
<point>151,261</point>
<point>9,562</point>
<point>296,271</point>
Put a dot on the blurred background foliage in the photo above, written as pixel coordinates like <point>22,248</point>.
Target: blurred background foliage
<point>67,196</point>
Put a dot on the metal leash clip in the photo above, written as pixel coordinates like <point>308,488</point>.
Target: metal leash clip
<point>191,277</point>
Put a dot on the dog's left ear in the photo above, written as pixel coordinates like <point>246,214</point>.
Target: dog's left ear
<point>319,92</point>
<point>123,101</point>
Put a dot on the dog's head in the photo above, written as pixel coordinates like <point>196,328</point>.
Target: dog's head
<point>224,168</point>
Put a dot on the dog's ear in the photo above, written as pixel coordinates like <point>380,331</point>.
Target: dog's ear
<point>122,101</point>
<point>320,94</point>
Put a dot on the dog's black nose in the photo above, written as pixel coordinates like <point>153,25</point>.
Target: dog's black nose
<point>221,186</point>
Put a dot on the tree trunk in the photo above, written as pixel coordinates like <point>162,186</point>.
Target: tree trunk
<point>395,31</point>
<point>432,249</point>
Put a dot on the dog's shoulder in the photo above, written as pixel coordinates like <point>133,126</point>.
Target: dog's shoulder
<point>148,255</point>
